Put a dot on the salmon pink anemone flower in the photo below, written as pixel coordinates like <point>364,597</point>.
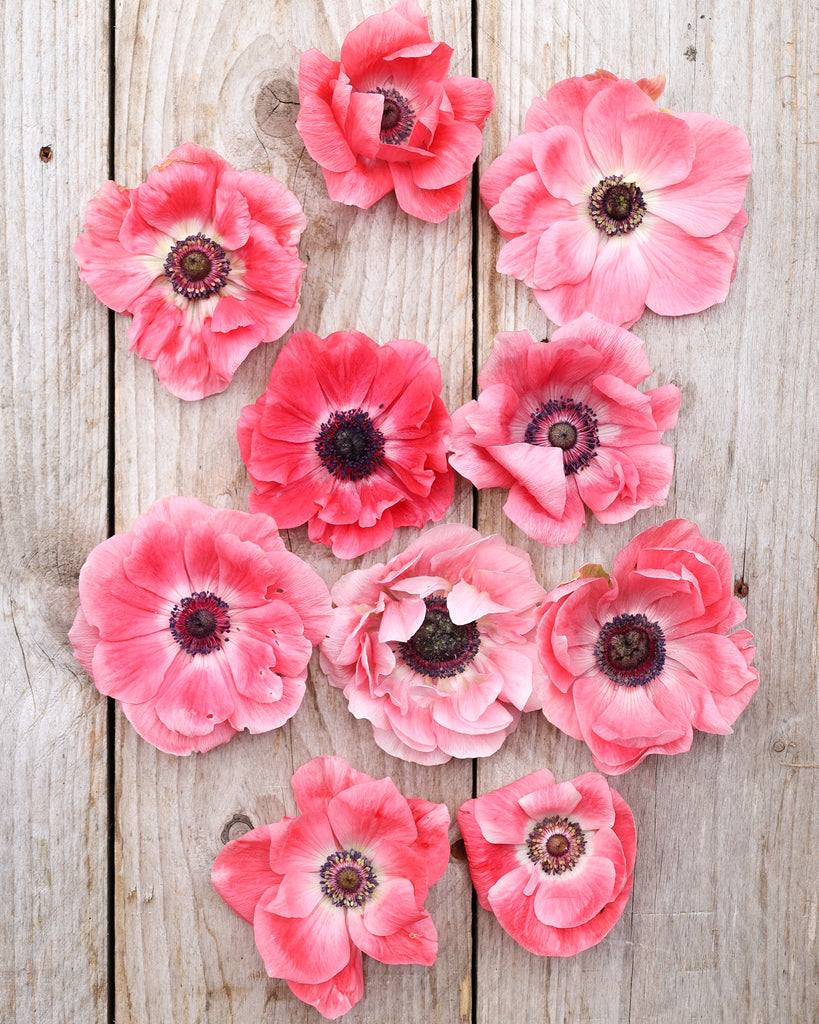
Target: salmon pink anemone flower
<point>386,117</point>
<point>638,659</point>
<point>563,426</point>
<point>436,648</point>
<point>204,257</point>
<point>350,438</point>
<point>610,205</point>
<point>552,861</point>
<point>348,875</point>
<point>200,623</point>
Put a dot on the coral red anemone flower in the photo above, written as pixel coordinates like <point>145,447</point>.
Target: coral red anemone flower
<point>553,861</point>
<point>637,660</point>
<point>348,875</point>
<point>563,426</point>
<point>610,205</point>
<point>204,257</point>
<point>386,116</point>
<point>200,623</point>
<point>436,648</point>
<point>350,438</point>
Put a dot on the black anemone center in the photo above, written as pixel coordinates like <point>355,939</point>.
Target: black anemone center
<point>616,206</point>
<point>197,267</point>
<point>348,879</point>
<point>440,647</point>
<point>562,435</point>
<point>391,115</point>
<point>556,843</point>
<point>349,445</point>
<point>200,623</point>
<point>397,117</point>
<point>617,202</point>
<point>630,650</point>
<point>566,424</point>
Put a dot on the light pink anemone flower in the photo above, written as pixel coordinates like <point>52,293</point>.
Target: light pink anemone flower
<point>609,205</point>
<point>200,623</point>
<point>436,648</point>
<point>386,117</point>
<point>639,659</point>
<point>348,876</point>
<point>204,257</point>
<point>350,438</point>
<point>563,426</point>
<point>553,861</point>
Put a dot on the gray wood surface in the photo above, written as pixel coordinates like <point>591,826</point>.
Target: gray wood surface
<point>721,925</point>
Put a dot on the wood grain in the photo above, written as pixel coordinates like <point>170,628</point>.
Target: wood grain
<point>722,921</point>
<point>215,74</point>
<point>53,509</point>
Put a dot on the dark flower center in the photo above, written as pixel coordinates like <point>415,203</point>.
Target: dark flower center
<point>556,843</point>
<point>349,445</point>
<point>398,117</point>
<point>348,878</point>
<point>630,650</point>
<point>439,647</point>
<point>568,425</point>
<point>616,206</point>
<point>197,267</point>
<point>200,623</point>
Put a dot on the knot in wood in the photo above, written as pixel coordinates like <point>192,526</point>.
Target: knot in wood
<point>277,107</point>
<point>237,826</point>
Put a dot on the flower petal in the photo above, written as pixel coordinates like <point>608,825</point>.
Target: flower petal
<point>282,942</point>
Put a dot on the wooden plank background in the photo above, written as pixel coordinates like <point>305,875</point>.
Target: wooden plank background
<point>107,849</point>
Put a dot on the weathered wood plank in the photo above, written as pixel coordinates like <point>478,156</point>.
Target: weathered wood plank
<point>53,509</point>
<point>722,921</point>
<point>201,73</point>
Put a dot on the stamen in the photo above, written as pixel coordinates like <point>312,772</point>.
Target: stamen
<point>197,267</point>
<point>348,879</point>
<point>616,206</point>
<point>349,445</point>
<point>630,650</point>
<point>568,425</point>
<point>200,623</point>
<point>439,647</point>
<point>398,118</point>
<point>556,843</point>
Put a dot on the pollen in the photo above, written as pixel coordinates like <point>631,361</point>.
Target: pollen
<point>556,844</point>
<point>348,879</point>
<point>566,424</point>
<point>440,648</point>
<point>398,118</point>
<point>197,267</point>
<point>616,206</point>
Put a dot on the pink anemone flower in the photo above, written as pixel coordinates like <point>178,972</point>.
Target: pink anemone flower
<point>637,660</point>
<point>200,623</point>
<point>348,875</point>
<point>386,117</point>
<point>436,648</point>
<point>563,426</point>
<point>552,861</point>
<point>350,438</point>
<point>610,205</point>
<point>204,257</point>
